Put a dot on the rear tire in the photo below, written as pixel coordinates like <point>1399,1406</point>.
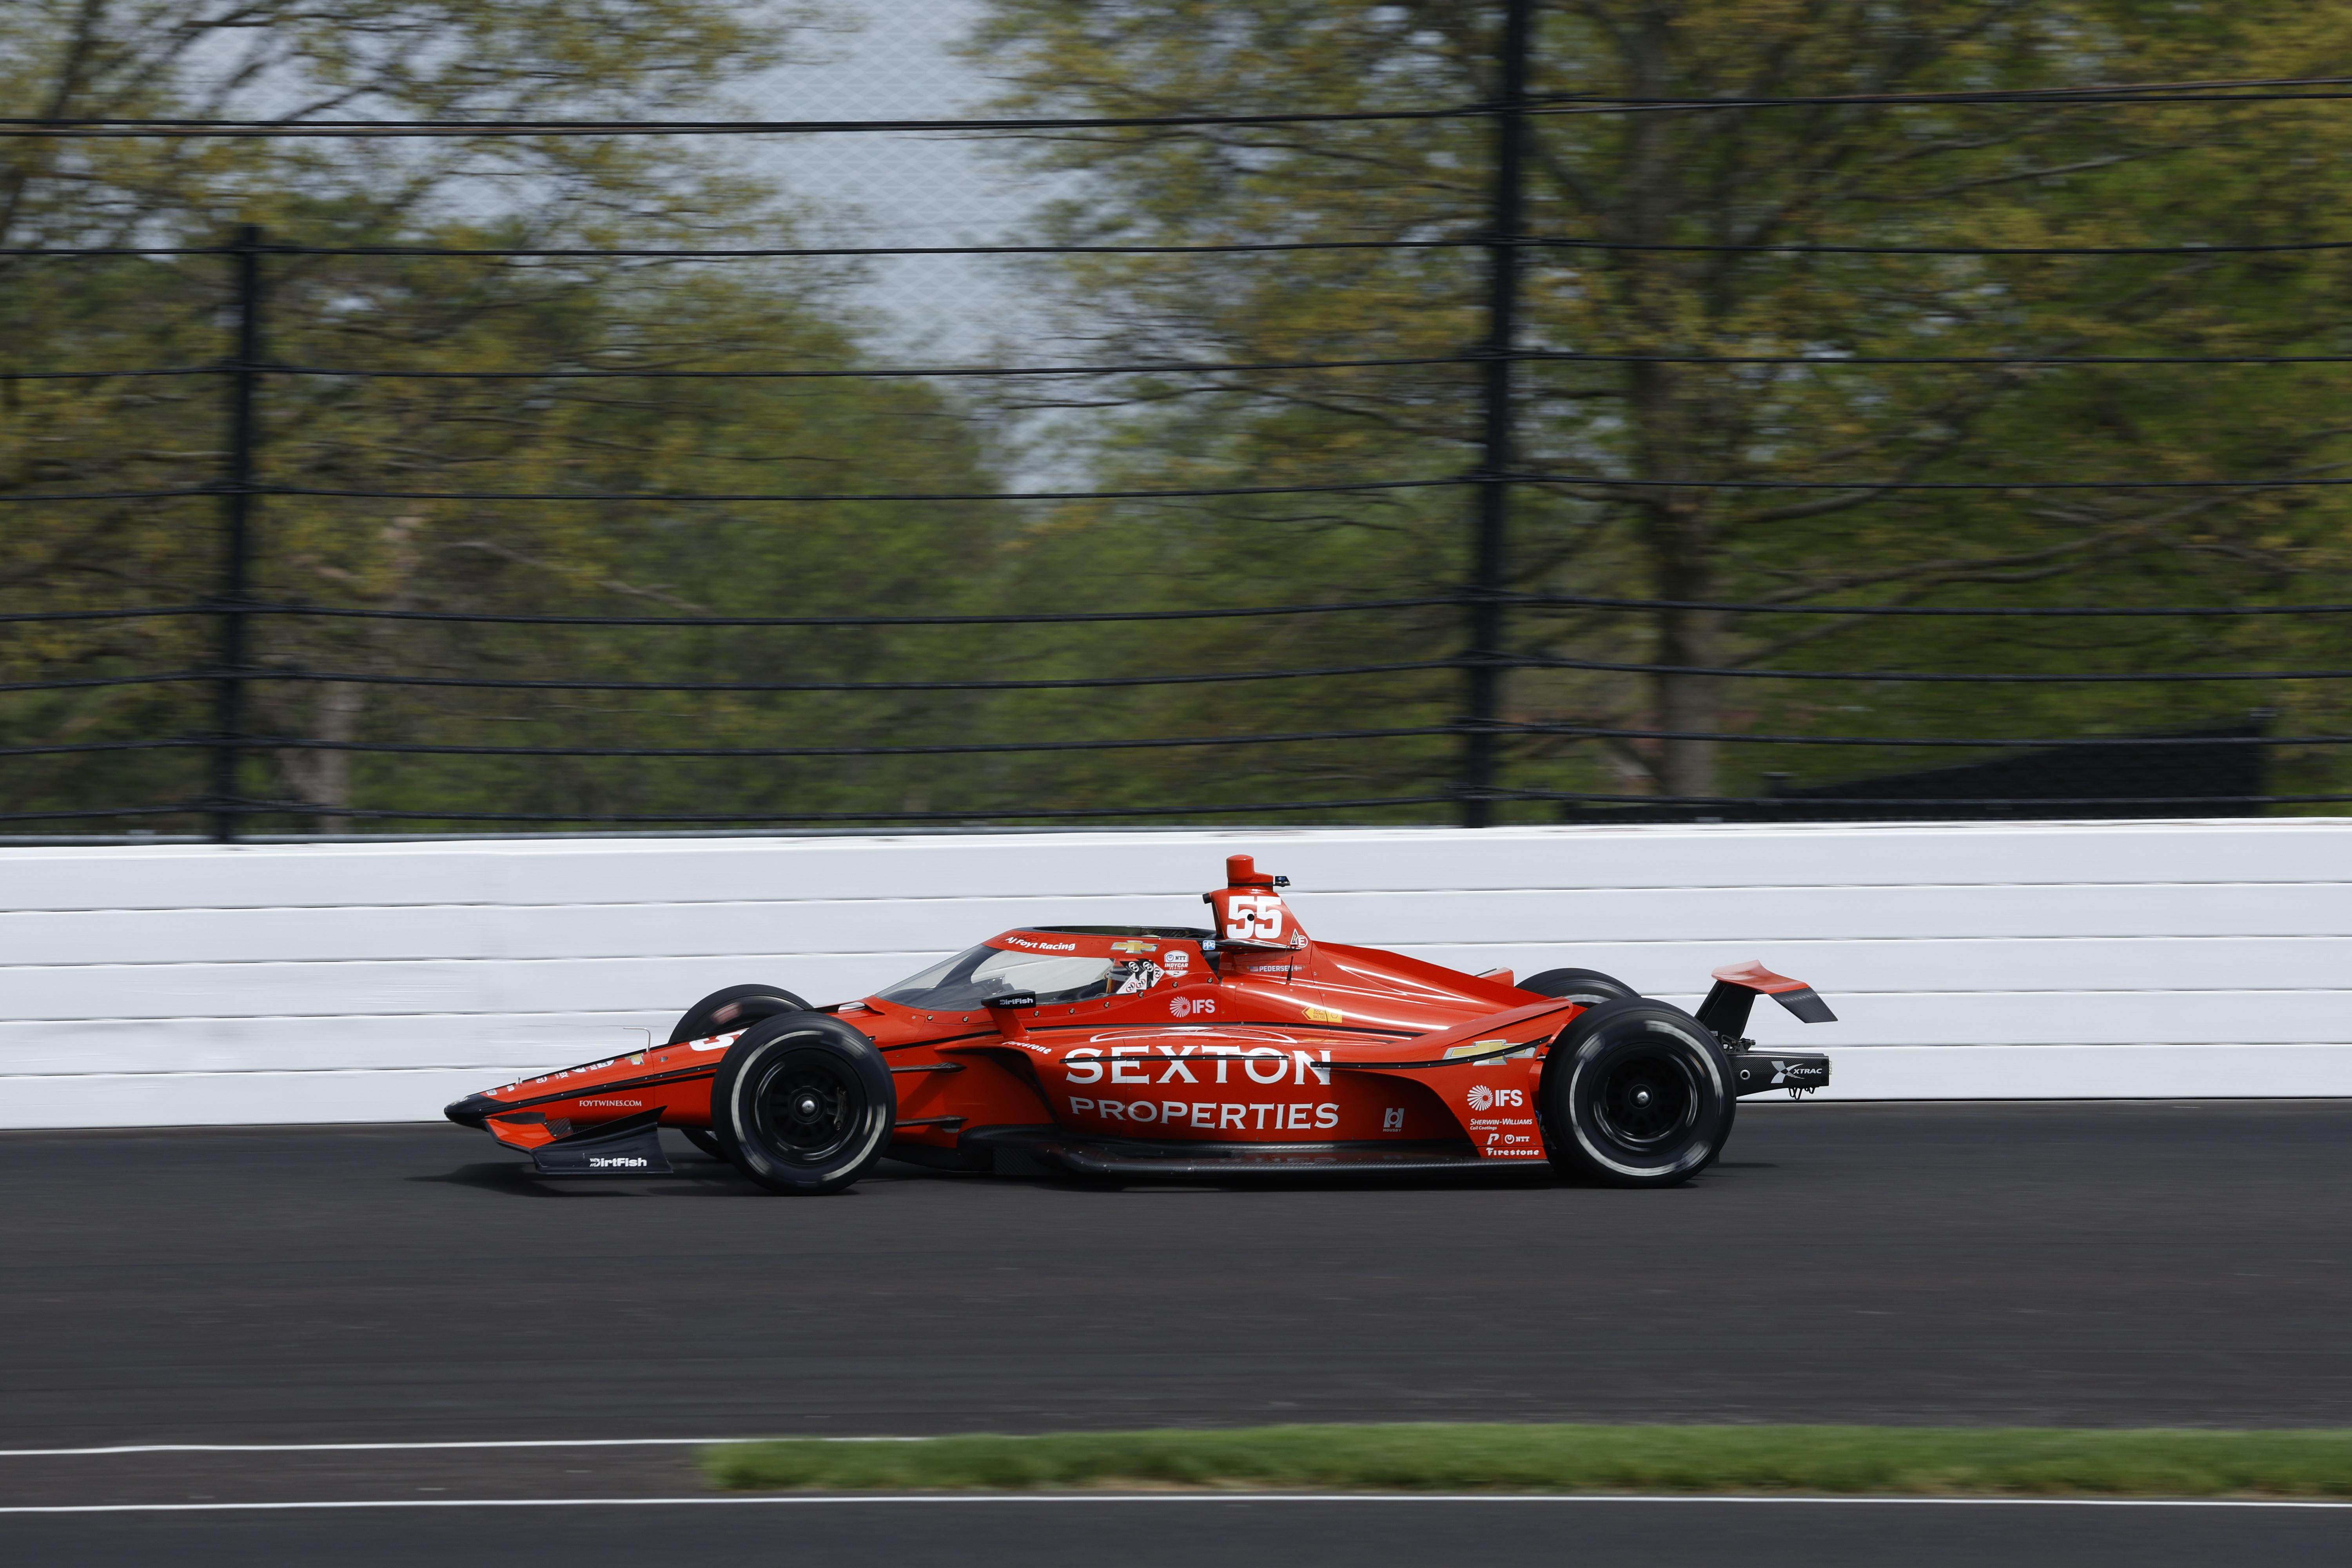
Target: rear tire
<point>704,1138</point>
<point>1634,1095</point>
<point>804,1104</point>
<point>1588,986</point>
<point>1730,1115</point>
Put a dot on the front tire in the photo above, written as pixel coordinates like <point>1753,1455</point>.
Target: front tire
<point>804,1104</point>
<point>725,1009</point>
<point>1634,1095</point>
<point>731,1007</point>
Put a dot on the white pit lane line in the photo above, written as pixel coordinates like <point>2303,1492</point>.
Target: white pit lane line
<point>900,1500</point>
<point>421,1447</point>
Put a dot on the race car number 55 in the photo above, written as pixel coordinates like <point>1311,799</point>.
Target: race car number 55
<point>1254,917</point>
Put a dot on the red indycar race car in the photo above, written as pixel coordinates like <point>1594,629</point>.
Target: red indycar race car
<point>1126,1053</point>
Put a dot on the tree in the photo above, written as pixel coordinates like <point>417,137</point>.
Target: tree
<point>1687,259</point>
<point>556,329</point>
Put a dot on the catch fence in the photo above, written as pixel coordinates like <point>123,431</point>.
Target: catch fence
<point>210,698</point>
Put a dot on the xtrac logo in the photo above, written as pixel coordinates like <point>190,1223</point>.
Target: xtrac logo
<point>1481,1097</point>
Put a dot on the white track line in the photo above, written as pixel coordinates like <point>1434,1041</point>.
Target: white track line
<point>386,1448</point>
<point>897,1500</point>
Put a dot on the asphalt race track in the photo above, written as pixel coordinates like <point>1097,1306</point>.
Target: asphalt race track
<point>2074,1264</point>
<point>1185,1532</point>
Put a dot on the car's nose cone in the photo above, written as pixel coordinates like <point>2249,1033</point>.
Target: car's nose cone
<point>472,1110</point>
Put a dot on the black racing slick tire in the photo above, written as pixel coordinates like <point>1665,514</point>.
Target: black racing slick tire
<point>1588,986</point>
<point>724,1010</point>
<point>1635,1095</point>
<point>715,1015</point>
<point>804,1104</point>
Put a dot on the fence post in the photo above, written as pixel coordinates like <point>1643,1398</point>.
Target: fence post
<point>237,517</point>
<point>1493,514</point>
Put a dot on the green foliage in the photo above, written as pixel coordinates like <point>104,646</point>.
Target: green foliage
<point>1832,1460</point>
<point>1635,392</point>
<point>1662,375</point>
<point>560,421</point>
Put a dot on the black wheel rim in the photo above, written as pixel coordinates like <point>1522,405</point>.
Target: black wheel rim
<point>1646,1100</point>
<point>808,1106</point>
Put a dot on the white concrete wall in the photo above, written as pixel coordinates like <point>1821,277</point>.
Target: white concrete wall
<point>194,984</point>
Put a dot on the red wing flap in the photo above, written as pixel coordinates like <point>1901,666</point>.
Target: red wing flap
<point>1754,976</point>
<point>528,1131</point>
<point>1737,986</point>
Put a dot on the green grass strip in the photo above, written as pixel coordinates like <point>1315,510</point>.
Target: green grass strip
<point>1848,1460</point>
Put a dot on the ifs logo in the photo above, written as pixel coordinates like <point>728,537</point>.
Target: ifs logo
<point>1484,1099</point>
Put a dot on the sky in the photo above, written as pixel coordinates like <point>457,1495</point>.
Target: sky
<point>908,190</point>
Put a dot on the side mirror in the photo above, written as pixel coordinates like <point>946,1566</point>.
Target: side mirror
<point>1005,1011</point>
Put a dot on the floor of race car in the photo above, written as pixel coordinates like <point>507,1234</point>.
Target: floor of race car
<point>2062,1265</point>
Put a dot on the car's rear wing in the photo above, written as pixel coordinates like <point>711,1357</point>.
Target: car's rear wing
<point>1737,986</point>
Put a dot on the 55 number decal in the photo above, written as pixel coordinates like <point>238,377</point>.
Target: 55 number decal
<point>1254,917</point>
